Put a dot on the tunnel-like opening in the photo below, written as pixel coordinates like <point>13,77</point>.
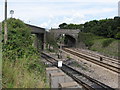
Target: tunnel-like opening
<point>39,41</point>
<point>69,41</point>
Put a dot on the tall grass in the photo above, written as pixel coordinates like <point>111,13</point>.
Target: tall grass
<point>88,38</point>
<point>106,46</point>
<point>110,50</point>
<point>19,75</point>
<point>107,42</point>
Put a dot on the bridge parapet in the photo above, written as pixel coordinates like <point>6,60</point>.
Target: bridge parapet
<point>71,32</point>
<point>36,29</point>
<point>65,31</point>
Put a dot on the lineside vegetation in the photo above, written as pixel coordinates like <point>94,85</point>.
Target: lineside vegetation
<point>21,67</point>
<point>102,36</point>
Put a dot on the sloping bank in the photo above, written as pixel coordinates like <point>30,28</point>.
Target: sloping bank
<point>106,46</point>
<point>21,67</point>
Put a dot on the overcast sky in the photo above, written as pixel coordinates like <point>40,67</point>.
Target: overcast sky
<point>51,13</point>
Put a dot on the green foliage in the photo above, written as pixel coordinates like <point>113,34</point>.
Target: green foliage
<point>87,38</point>
<point>71,26</point>
<point>111,50</point>
<point>19,42</point>
<point>118,35</point>
<point>63,25</point>
<point>107,42</point>
<point>89,43</point>
<point>20,74</point>
<point>21,65</point>
<point>51,41</point>
<point>106,27</point>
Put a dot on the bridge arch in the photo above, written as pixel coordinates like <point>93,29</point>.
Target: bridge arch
<point>69,40</point>
<point>71,35</point>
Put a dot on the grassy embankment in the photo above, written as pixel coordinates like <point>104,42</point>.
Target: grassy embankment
<point>107,46</point>
<point>21,65</point>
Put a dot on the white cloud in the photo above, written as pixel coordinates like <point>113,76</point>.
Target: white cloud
<point>57,13</point>
<point>77,14</point>
<point>67,16</point>
<point>45,24</point>
<point>43,12</point>
<point>76,18</point>
<point>94,11</point>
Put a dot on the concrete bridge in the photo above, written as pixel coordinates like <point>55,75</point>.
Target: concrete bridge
<point>71,35</point>
<point>40,36</point>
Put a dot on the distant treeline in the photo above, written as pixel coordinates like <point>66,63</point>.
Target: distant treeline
<point>109,28</point>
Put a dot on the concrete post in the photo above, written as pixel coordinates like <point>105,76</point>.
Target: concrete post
<point>49,71</point>
<point>36,41</point>
<point>44,42</point>
<point>56,78</point>
<point>69,85</point>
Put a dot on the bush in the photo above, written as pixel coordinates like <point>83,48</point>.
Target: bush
<point>107,42</point>
<point>19,43</point>
<point>88,43</point>
<point>117,35</point>
<point>87,38</point>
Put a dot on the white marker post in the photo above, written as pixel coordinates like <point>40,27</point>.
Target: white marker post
<point>59,64</point>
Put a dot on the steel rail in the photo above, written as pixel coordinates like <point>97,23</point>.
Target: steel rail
<point>116,61</point>
<point>84,80</point>
<point>105,65</point>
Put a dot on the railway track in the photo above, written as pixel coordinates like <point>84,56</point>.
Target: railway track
<point>93,54</point>
<point>87,82</point>
<point>93,60</point>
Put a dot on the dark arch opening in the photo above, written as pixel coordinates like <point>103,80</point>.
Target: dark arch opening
<point>69,41</point>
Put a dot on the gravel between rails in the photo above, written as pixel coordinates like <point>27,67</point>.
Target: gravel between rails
<point>97,72</point>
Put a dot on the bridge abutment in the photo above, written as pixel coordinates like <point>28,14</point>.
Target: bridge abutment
<point>40,37</point>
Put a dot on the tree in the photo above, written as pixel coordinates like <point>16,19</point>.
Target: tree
<point>105,27</point>
<point>62,26</point>
<point>51,41</point>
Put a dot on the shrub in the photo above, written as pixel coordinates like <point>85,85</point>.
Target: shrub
<point>19,43</point>
<point>87,38</point>
<point>88,43</point>
<point>117,35</point>
<point>107,42</point>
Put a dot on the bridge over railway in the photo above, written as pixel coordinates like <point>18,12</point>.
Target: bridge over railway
<point>71,35</point>
<point>40,34</point>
